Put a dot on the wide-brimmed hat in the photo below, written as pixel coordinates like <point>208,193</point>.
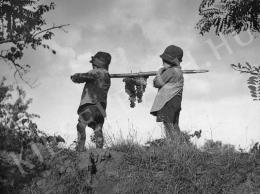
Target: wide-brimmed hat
<point>101,59</point>
<point>171,53</point>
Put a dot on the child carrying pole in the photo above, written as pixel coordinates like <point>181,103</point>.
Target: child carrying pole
<point>169,81</point>
<point>92,108</point>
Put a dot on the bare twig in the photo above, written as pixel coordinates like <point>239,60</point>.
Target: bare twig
<point>6,41</point>
<point>18,71</point>
<point>34,35</point>
<point>48,29</point>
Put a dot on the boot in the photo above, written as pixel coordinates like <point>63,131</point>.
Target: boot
<point>81,138</point>
<point>168,128</point>
<point>99,139</point>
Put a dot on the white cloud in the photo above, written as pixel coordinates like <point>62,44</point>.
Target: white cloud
<point>80,63</point>
<point>136,33</point>
<point>72,38</point>
<point>197,86</point>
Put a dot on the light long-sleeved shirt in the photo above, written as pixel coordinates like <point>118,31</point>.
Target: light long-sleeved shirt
<point>170,83</point>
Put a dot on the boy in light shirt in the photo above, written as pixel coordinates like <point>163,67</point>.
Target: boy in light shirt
<point>169,81</point>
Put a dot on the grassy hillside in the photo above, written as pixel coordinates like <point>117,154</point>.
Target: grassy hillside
<point>159,167</point>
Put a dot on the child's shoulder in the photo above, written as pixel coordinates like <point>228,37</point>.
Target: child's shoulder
<point>98,71</point>
<point>172,69</point>
<point>99,74</point>
<point>173,72</point>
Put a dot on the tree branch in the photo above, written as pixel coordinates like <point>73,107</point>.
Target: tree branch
<point>5,41</point>
<point>252,72</point>
<point>18,71</point>
<point>243,71</point>
<point>45,30</point>
<point>48,29</point>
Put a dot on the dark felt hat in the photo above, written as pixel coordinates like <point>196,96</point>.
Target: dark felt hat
<point>101,59</point>
<point>171,53</point>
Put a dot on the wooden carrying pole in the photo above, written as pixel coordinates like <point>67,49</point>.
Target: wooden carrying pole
<point>152,73</point>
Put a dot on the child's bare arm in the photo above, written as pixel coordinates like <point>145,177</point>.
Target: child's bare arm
<point>82,77</point>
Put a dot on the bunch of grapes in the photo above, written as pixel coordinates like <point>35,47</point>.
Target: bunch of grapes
<point>135,88</point>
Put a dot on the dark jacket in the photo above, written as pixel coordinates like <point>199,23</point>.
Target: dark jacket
<point>97,84</point>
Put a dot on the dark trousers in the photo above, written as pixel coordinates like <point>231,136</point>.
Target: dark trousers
<point>91,115</point>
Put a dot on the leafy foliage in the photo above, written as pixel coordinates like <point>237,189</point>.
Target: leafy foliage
<point>254,86</point>
<point>18,133</point>
<point>135,87</point>
<point>17,130</point>
<point>233,16</point>
<point>16,123</point>
<point>254,79</point>
<point>228,16</point>
<point>22,25</point>
<point>217,146</point>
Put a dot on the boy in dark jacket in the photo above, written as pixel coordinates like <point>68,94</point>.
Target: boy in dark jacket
<point>92,108</point>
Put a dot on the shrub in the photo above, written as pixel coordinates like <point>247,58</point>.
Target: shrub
<point>20,140</point>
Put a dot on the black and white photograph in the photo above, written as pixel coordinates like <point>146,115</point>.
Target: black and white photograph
<point>129,96</point>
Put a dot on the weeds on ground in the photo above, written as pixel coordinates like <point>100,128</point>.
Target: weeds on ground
<point>164,167</point>
<point>180,167</point>
<point>63,176</point>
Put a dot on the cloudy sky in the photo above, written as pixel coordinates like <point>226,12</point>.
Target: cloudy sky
<point>136,32</point>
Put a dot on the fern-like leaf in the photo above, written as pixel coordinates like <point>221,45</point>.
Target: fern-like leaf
<point>235,16</point>
<point>254,86</point>
<point>254,79</point>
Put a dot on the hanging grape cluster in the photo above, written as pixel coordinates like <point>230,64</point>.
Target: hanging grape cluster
<point>135,87</point>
